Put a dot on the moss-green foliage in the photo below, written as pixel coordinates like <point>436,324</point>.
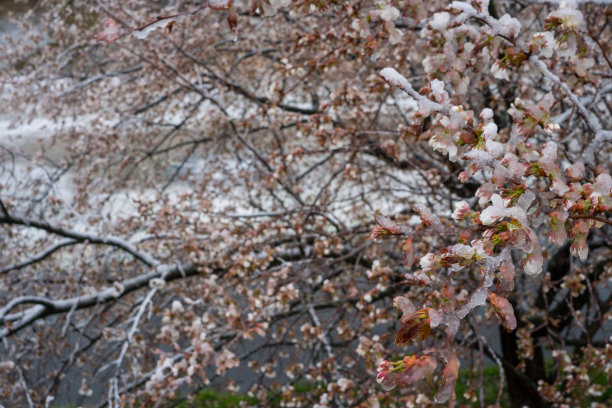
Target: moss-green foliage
<point>209,398</point>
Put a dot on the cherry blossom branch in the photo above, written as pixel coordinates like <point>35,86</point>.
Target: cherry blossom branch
<point>558,2</point>
<point>601,48</point>
<point>592,217</point>
<point>126,343</point>
<point>325,341</point>
<point>590,119</point>
<point>24,385</point>
<point>38,257</point>
<point>82,237</point>
<point>46,306</point>
<point>396,79</point>
<point>467,11</point>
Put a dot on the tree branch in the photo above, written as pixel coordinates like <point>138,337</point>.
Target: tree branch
<point>46,306</point>
<point>38,257</point>
<point>82,237</point>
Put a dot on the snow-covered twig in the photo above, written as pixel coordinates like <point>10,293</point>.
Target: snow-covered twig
<point>601,135</point>
<point>558,2</point>
<point>114,382</point>
<point>81,237</point>
<point>324,340</point>
<point>26,390</point>
<point>46,306</point>
<point>396,79</point>
<point>39,256</point>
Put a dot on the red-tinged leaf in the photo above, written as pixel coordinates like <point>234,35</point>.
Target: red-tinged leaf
<point>416,368</point>
<point>428,218</point>
<point>408,249</point>
<point>169,27</point>
<point>232,19</point>
<point>449,376</point>
<point>405,306</point>
<point>506,272</point>
<point>110,33</point>
<point>415,326</point>
<point>504,310</point>
<point>392,227</point>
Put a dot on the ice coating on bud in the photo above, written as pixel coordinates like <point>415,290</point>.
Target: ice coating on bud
<point>571,18</point>
<point>580,231</point>
<point>389,13</point>
<point>534,261</point>
<point>478,298</point>
<point>492,213</point>
<point>486,115</point>
<point>443,142</point>
<point>450,374</point>
<point>557,234</point>
<point>575,171</point>
<point>504,310</point>
<point>409,252</point>
<point>489,131</point>
<point>464,251</point>
<point>603,185</point>
<point>462,209</point>
<point>416,368</point>
<point>506,273</point>
<point>494,148</point>
<point>405,306</point>
<point>579,248</point>
<point>427,216</point>
<point>526,199</point>
<point>549,157</point>
<point>405,372</point>
<point>480,157</point>
<point>449,319</point>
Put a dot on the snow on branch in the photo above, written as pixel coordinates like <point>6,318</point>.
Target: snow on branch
<point>80,237</point>
<point>112,33</point>
<point>39,256</point>
<point>508,28</point>
<point>46,306</point>
<point>559,2</point>
<point>601,135</point>
<point>426,105</point>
